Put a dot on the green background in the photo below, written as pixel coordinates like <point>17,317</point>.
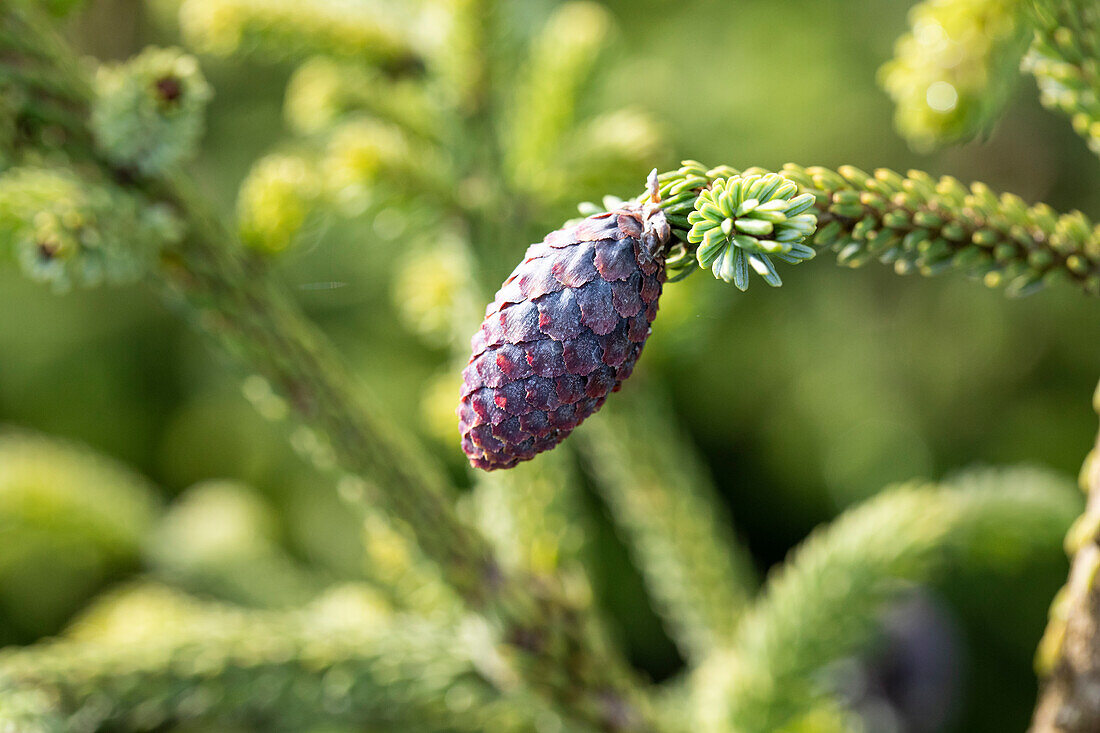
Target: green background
<point>803,399</point>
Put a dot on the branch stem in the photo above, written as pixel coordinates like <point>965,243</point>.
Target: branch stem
<point>1069,654</point>
<point>919,224</point>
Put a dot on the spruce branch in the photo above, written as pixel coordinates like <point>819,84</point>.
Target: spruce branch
<point>1068,659</point>
<point>824,603</point>
<point>545,98</point>
<point>916,223</point>
<point>74,491</point>
<point>258,325</point>
<point>148,657</point>
<point>363,153</point>
<point>553,643</point>
<point>73,516</point>
<point>1064,58</point>
<point>667,508</point>
<point>371,33</point>
<point>913,222</point>
<point>607,151</point>
<point>219,539</point>
<point>533,517</point>
<point>465,61</point>
<point>323,90</point>
<point>42,88</point>
<point>953,72</point>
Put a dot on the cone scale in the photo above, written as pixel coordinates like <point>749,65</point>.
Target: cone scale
<point>564,331</point>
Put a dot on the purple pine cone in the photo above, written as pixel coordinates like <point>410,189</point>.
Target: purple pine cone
<point>564,331</point>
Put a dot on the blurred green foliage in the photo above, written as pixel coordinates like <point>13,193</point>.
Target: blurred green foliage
<point>801,401</point>
<point>71,521</point>
<point>953,71</point>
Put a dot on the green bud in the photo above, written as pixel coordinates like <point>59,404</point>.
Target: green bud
<point>66,231</point>
<point>275,200</point>
<point>148,111</point>
<point>741,221</point>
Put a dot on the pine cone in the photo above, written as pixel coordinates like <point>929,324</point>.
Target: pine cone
<point>564,331</point>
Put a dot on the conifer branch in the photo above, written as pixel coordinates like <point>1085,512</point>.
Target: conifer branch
<point>553,643</point>
<point>70,228</point>
<point>149,657</point>
<point>1065,60</point>
<point>916,223</point>
<point>226,297</point>
<point>1068,660</point>
<point>322,90</point>
<point>533,517</point>
<point>466,61</point>
<point>546,96</point>
<point>219,539</point>
<point>826,600</point>
<point>71,514</point>
<point>913,222</point>
<point>288,29</point>
<point>257,324</point>
<point>676,527</point>
<point>953,72</point>
<point>43,89</point>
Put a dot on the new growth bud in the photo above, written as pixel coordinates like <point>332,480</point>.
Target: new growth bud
<point>742,222</point>
<point>148,112</point>
<point>66,231</point>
